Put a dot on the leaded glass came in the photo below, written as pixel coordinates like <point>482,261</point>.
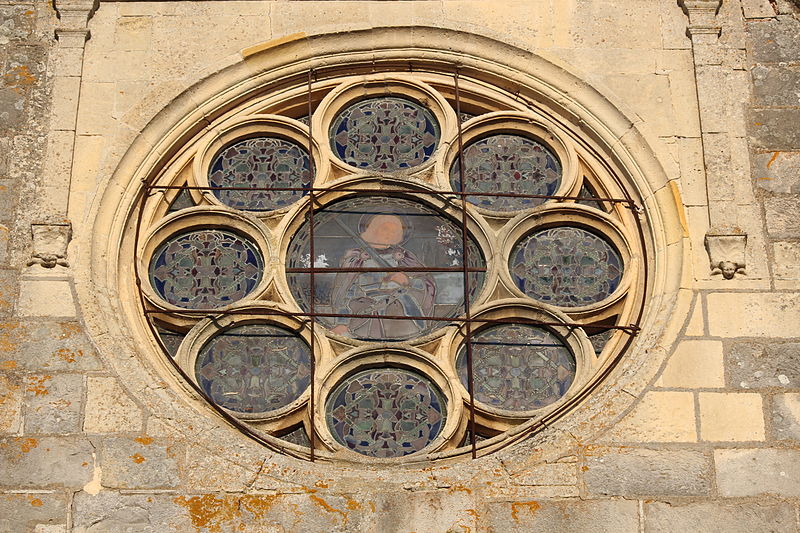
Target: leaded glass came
<point>264,163</point>
<point>398,235</point>
<point>254,368</point>
<point>507,164</point>
<point>566,266</point>
<point>386,412</point>
<point>205,269</point>
<point>384,134</point>
<point>517,367</point>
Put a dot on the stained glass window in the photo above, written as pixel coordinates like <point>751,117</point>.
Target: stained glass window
<point>390,233</point>
<point>384,134</point>
<point>205,269</point>
<point>171,339</point>
<point>182,200</point>
<point>260,162</point>
<point>254,368</point>
<point>566,266</point>
<point>507,163</point>
<point>517,367</point>
<point>386,412</point>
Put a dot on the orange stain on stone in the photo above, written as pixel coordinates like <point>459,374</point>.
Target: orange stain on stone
<point>210,513</point>
<point>353,505</point>
<point>325,505</point>
<point>29,444</point>
<point>144,439</point>
<point>8,365</point>
<point>36,502</point>
<point>36,385</point>
<point>532,507</point>
<point>68,356</point>
<point>69,329</point>
<point>20,77</point>
<point>137,458</point>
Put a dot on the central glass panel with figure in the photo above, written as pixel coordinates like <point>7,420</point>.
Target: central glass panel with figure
<point>392,263</point>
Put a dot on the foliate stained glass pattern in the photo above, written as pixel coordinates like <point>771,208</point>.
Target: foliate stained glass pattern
<point>386,412</point>
<point>507,163</point>
<point>518,367</point>
<point>384,134</point>
<point>265,163</point>
<point>205,269</point>
<point>254,368</point>
<point>377,233</point>
<point>566,266</point>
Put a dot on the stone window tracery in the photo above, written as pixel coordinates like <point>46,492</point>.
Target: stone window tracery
<point>337,285</point>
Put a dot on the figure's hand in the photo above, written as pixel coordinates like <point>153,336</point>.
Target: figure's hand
<point>341,329</point>
<point>399,278</point>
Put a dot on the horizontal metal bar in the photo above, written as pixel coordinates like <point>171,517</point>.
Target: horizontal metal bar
<point>381,269</point>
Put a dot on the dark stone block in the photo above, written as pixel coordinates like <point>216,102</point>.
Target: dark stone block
<point>753,365</point>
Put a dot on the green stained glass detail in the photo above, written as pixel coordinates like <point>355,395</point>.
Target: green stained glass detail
<point>566,266</point>
<point>386,412</point>
<point>384,134</point>
<point>517,367</point>
<point>254,368</point>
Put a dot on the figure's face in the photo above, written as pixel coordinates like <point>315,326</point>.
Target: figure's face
<point>383,231</point>
<point>728,269</point>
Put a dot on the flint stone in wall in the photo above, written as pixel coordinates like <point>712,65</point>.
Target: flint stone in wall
<point>775,40</point>
<point>753,365</point>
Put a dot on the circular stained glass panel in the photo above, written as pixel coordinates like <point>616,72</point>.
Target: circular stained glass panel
<point>265,163</point>
<point>566,266</point>
<point>205,269</point>
<point>254,368</point>
<point>386,412</point>
<point>384,134</point>
<point>506,163</point>
<point>370,234</point>
<point>517,367</point>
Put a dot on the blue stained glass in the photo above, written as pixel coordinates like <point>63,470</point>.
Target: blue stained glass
<point>254,368</point>
<point>566,266</point>
<point>384,134</point>
<point>205,269</point>
<point>386,412</point>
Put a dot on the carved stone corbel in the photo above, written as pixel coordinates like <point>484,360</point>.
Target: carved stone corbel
<point>726,251</point>
<point>50,244</point>
<point>74,15</point>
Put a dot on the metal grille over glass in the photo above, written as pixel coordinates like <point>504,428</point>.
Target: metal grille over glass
<point>365,296</point>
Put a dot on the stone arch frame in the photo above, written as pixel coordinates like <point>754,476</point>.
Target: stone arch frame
<point>599,119</point>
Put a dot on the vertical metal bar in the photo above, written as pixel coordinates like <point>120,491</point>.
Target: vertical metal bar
<point>312,281</point>
<point>464,261</point>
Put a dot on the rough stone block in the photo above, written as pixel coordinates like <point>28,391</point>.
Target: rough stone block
<point>757,9</point>
<point>753,365</point>
<point>142,462</point>
<point>8,289</point>
<point>739,517</point>
<point>133,33</point>
<point>40,297</point>
<point>20,513</point>
<point>731,416</point>
<point>663,416</point>
<point>46,346</point>
<point>575,516</point>
<point>753,314</point>
<point>109,409</point>
<point>787,260</point>
<point>781,215</point>
<point>695,364</point>
<point>66,90</point>
<point>10,403</point>
<point>46,462</point>
<point>786,417</point>
<point>777,171</point>
<point>228,476</point>
<point>632,472</point>
<point>548,474</point>
<point>757,472</point>
<point>775,129</point>
<point>53,403</point>
<point>111,512</point>
<point>775,40</point>
<point>776,85</point>
<point>16,22</point>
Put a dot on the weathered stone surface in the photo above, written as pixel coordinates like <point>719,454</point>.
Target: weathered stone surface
<point>592,516</point>
<point>786,417</point>
<point>660,417</point>
<point>753,365</point>
<point>548,474</point>
<point>695,364</point>
<point>111,512</point>
<point>16,22</point>
<point>47,346</point>
<point>46,462</point>
<point>109,409</point>
<point>776,85</point>
<point>228,476</point>
<point>780,212</point>
<point>758,471</point>
<point>719,517</point>
<point>8,288</point>
<point>49,298</point>
<point>141,462</point>
<point>753,314</point>
<point>53,403</point>
<point>787,260</point>
<point>23,513</point>
<point>11,392</point>
<point>731,416</point>
<point>774,40</point>
<point>632,472</point>
<point>775,129</point>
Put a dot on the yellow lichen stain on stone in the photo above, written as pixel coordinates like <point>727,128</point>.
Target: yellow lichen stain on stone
<point>774,157</point>
<point>19,77</point>
<point>69,329</point>
<point>325,505</point>
<point>258,505</point>
<point>37,385</point>
<point>372,506</point>
<point>137,458</point>
<point>209,512</point>
<point>10,332</point>
<point>321,485</point>
<point>36,502</point>
<point>144,439</point>
<point>460,488</point>
<point>68,356</point>
<point>532,507</point>
<point>473,513</point>
<point>28,444</point>
<point>8,365</point>
<point>353,505</point>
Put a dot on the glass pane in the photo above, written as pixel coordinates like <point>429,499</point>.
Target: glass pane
<point>258,163</point>
<point>298,436</point>
<point>566,266</point>
<point>375,233</point>
<point>386,412</point>
<point>507,163</point>
<point>181,201</point>
<point>600,339</point>
<point>205,269</point>
<point>587,193</point>
<point>384,134</point>
<point>517,367</point>
<point>254,368</point>
<point>171,339</point>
